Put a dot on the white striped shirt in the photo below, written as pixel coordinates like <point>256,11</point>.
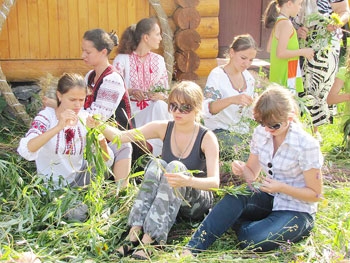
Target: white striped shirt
<point>299,152</point>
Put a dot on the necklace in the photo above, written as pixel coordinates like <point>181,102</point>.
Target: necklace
<point>239,88</point>
<point>188,145</point>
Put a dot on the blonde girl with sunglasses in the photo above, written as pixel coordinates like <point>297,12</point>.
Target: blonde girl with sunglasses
<point>169,190</point>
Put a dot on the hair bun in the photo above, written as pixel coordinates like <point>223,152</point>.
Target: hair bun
<point>114,37</point>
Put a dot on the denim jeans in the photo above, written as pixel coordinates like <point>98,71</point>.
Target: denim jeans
<point>256,225</point>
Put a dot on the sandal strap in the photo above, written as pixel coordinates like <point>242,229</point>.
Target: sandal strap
<point>148,252</point>
<point>128,247</point>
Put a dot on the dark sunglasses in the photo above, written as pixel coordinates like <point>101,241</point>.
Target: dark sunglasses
<point>183,108</point>
<point>272,127</point>
<point>270,166</point>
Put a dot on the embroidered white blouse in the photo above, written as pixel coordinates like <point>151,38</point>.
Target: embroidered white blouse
<point>108,96</point>
<point>219,86</point>
<point>63,155</point>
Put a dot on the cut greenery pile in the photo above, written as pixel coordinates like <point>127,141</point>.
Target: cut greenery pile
<point>32,214</point>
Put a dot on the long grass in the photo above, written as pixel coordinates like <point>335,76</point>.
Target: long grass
<point>32,215</point>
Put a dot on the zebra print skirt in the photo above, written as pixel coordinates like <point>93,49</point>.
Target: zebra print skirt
<point>318,76</point>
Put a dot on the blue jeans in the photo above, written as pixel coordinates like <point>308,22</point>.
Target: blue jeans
<point>256,225</point>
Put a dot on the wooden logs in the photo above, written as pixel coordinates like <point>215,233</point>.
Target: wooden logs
<point>206,66</point>
<point>31,70</point>
<point>196,27</point>
<point>187,3</point>
<point>208,8</point>
<point>187,61</point>
<point>169,7</point>
<point>188,39</point>
<point>187,18</point>
<point>208,48</point>
<point>208,27</point>
<point>185,75</point>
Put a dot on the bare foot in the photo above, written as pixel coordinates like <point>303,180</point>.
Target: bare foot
<point>186,252</point>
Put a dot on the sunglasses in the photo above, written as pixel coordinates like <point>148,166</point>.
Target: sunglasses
<point>183,108</point>
<point>272,127</point>
<point>270,170</point>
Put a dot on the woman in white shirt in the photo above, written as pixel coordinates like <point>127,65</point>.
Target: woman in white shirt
<point>229,92</point>
<point>57,137</point>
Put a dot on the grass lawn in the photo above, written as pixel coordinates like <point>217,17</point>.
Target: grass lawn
<point>31,216</point>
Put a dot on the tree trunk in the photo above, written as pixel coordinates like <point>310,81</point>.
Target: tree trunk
<point>5,89</point>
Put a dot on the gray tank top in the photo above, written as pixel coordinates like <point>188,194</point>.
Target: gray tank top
<point>196,160</point>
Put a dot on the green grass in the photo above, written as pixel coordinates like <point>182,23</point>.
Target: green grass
<point>32,215</point>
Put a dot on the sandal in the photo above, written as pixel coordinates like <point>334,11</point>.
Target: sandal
<point>142,253</point>
<point>145,255</point>
<point>128,247</point>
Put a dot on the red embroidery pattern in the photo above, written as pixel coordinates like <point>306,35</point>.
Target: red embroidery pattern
<point>109,95</point>
<point>69,136</point>
<point>142,104</point>
<point>38,125</point>
<point>143,74</point>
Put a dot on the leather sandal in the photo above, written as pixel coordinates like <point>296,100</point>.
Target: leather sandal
<point>128,247</point>
<point>146,253</point>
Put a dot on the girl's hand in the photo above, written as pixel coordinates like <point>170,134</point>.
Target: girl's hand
<point>238,168</point>
<point>243,99</point>
<point>302,32</point>
<point>177,179</point>
<point>92,122</point>
<point>67,118</point>
<point>138,94</point>
<point>269,185</point>
<point>154,96</point>
<point>308,53</point>
<point>332,28</point>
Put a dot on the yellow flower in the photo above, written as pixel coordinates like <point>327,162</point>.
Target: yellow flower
<point>335,19</point>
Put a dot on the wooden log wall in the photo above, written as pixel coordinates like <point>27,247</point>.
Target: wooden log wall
<point>196,36</point>
<point>44,36</point>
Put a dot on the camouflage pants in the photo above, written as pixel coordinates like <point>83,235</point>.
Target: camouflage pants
<point>158,204</point>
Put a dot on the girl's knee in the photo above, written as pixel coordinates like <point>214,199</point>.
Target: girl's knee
<point>175,167</point>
